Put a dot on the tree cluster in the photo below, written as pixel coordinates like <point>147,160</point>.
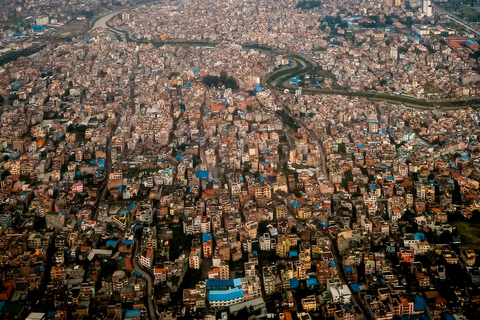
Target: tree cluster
<point>218,81</point>
<point>308,5</point>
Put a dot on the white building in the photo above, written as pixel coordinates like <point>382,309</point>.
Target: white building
<point>265,242</point>
<point>42,21</point>
<point>427,8</point>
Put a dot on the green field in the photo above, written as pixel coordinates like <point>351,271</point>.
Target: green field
<point>470,232</point>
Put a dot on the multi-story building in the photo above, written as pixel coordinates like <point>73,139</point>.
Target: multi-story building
<point>146,258</point>
<point>160,275</point>
<point>468,257</point>
<point>58,273</point>
<point>119,280</point>
<point>265,242</point>
<point>224,273</point>
<point>271,280</point>
<point>281,212</point>
<point>283,246</point>
<point>309,303</point>
<point>250,270</point>
<point>195,259</point>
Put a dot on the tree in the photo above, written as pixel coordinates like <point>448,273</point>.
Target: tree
<point>413,228</point>
<point>231,83</point>
<point>223,76</point>
<point>210,81</point>
<point>446,237</point>
<point>307,5</point>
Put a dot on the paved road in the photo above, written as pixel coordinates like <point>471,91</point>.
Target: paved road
<point>410,101</point>
<point>323,154</point>
<point>148,277</point>
<point>467,25</point>
<point>341,272</point>
<point>102,191</point>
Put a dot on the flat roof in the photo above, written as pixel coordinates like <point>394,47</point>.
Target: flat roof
<point>225,295</point>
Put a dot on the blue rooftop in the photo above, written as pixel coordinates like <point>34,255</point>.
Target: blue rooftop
<point>223,283</point>
<point>111,242</point>
<point>225,295</point>
<point>419,304</point>
<point>202,174</point>
<point>312,282</point>
<point>419,236</point>
<point>134,313</point>
<point>356,286</point>
<point>206,237</point>
<point>294,283</point>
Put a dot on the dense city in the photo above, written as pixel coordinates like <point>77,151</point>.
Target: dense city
<point>270,159</point>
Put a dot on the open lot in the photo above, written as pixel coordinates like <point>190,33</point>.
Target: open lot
<point>470,232</point>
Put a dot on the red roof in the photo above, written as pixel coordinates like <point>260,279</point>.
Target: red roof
<point>128,263</point>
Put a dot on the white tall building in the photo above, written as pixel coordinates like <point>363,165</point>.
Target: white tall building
<point>394,53</point>
<point>427,8</point>
<point>265,243</point>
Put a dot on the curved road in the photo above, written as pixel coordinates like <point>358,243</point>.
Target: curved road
<point>421,104</point>
<point>102,22</point>
<point>148,277</point>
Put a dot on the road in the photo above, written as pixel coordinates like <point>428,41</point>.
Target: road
<point>102,191</point>
<point>341,272</point>
<point>151,310</point>
<point>323,154</point>
<point>467,25</point>
<point>421,104</point>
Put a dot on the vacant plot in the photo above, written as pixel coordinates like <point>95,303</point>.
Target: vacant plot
<point>470,232</point>
<point>73,29</point>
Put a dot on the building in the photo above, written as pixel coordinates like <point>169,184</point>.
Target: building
<point>224,273</point>
<point>36,316</point>
<point>42,21</point>
<point>195,259</point>
<point>224,293</point>
<point>119,280</point>
<point>250,270</point>
<point>6,220</point>
<point>472,44</point>
<point>468,257</point>
<point>225,298</point>
<point>427,8</point>
<point>309,303</point>
<point>146,258</point>
<point>265,243</point>
<point>283,246</point>
<point>160,275</point>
